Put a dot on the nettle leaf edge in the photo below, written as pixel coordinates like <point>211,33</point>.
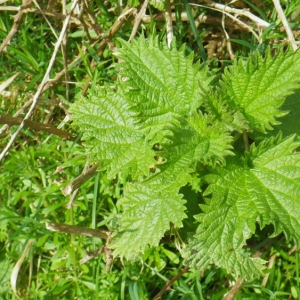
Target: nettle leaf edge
<point>163,120</point>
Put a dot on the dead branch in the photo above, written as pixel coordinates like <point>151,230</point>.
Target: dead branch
<point>77,230</point>
<point>11,121</point>
<point>41,86</point>
<point>170,282</point>
<point>80,180</point>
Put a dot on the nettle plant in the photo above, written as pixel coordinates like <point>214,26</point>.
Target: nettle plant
<point>167,124</point>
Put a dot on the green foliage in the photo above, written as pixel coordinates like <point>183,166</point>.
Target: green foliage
<point>159,4</point>
<point>165,123</point>
<point>261,86</point>
<point>263,189</point>
<point>6,268</point>
<point>168,134</point>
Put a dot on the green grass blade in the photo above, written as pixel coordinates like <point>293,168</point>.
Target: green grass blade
<point>194,29</point>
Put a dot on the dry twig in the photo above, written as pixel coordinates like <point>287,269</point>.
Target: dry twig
<point>138,19</point>
<point>80,180</point>
<point>231,294</point>
<point>170,282</point>
<point>285,24</point>
<point>169,25</point>
<point>17,21</point>
<point>11,121</point>
<point>233,13</point>
<point>77,230</point>
<point>41,86</point>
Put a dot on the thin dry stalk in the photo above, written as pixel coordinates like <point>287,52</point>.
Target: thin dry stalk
<point>233,13</point>
<point>17,21</point>
<point>229,46</point>
<point>138,20</point>
<point>285,24</point>
<point>80,180</point>
<point>231,294</point>
<point>64,54</point>
<point>170,282</point>
<point>126,13</point>
<point>202,19</point>
<point>93,21</point>
<point>19,112</point>
<point>169,25</point>
<point>77,230</point>
<point>239,12</point>
<point>41,86</point>
<point>11,121</point>
<point>270,266</point>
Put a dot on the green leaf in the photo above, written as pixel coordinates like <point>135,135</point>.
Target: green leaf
<point>212,142</point>
<point>231,119</point>
<point>5,272</point>
<point>111,134</point>
<point>165,85</point>
<point>148,211</point>
<point>150,206</point>
<point>259,86</point>
<point>290,122</point>
<point>153,112</point>
<point>263,187</point>
<point>161,88</point>
<point>159,4</point>
<point>3,230</point>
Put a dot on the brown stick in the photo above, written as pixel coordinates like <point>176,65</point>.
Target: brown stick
<point>231,294</point>
<point>42,84</point>
<point>80,180</point>
<point>77,230</point>
<point>19,112</point>
<point>37,126</point>
<point>170,282</point>
<point>138,19</point>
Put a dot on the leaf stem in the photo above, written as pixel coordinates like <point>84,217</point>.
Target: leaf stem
<point>246,141</point>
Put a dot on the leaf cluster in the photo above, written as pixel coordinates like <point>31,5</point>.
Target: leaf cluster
<point>164,123</point>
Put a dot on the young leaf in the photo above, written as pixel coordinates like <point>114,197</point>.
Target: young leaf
<point>159,4</point>
<point>259,86</point>
<point>264,188</point>
<point>231,119</point>
<point>121,127</point>
<point>212,141</point>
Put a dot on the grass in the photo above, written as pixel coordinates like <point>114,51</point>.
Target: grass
<point>38,166</point>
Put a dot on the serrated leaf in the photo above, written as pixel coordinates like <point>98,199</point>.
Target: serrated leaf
<point>159,4</point>
<point>111,134</point>
<point>165,85</point>
<point>5,272</point>
<point>151,205</point>
<point>231,119</point>
<point>120,127</point>
<point>3,230</point>
<point>259,86</point>
<point>264,189</point>
<point>290,123</point>
<point>148,211</point>
<point>212,142</point>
